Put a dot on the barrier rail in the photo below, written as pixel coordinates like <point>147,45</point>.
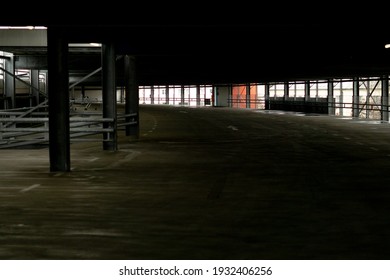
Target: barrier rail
<point>34,128</point>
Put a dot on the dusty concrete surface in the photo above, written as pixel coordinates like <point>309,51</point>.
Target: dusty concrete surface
<point>206,183</point>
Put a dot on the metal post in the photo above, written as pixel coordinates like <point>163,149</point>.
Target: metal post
<point>167,94</point>
<point>286,91</point>
<point>368,100</point>
<point>307,91</point>
<point>9,81</point>
<point>215,94</point>
<point>308,106</point>
<point>151,94</point>
<point>182,96</point>
<point>331,105</point>
<point>109,95</point>
<point>198,95</point>
<point>58,81</point>
<point>385,99</point>
<point>158,95</point>
<point>35,86</point>
<point>122,94</point>
<point>248,95</point>
<point>295,91</point>
<point>267,104</point>
<point>132,96</point>
<point>355,98</point>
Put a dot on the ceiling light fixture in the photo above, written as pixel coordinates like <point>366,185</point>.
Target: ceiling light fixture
<point>387,46</point>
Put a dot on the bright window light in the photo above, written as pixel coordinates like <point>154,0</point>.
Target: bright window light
<point>23,27</point>
<point>85,45</point>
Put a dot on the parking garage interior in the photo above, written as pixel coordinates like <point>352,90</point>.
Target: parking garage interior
<point>155,144</point>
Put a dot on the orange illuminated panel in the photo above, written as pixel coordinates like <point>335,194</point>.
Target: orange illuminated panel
<point>239,96</point>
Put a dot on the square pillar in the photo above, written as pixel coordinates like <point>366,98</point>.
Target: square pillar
<point>355,98</point>
<point>331,104</point>
<point>9,81</point>
<point>58,82</point>
<point>109,95</point>
<point>385,99</point>
<point>248,95</point>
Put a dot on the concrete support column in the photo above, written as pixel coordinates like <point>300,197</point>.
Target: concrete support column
<point>286,90</point>
<point>182,96</point>
<point>151,94</point>
<point>307,91</point>
<point>131,96</point>
<point>35,86</point>
<point>295,91</point>
<point>266,97</point>
<point>58,81</point>
<point>341,99</point>
<point>385,99</point>
<point>331,105</point>
<point>109,95</point>
<point>214,95</point>
<point>248,95</point>
<point>355,98</point>
<point>368,95</point>
<point>167,94</point>
<point>9,81</point>
<point>198,95</point>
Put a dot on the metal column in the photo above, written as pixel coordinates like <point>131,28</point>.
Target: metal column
<point>307,91</point>
<point>286,91</point>
<point>197,95</point>
<point>248,95</point>
<point>35,86</point>
<point>385,99</point>
<point>58,76</point>
<point>266,97</point>
<point>182,96</point>
<point>341,99</point>
<point>9,81</point>
<point>355,98</point>
<point>151,94</point>
<point>109,95</point>
<point>368,95</point>
<point>167,94</point>
<point>131,97</point>
<point>331,105</point>
<point>215,94</point>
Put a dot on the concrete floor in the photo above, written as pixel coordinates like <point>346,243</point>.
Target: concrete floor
<point>206,183</point>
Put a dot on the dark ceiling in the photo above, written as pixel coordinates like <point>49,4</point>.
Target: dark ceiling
<point>203,49</point>
<point>240,53</point>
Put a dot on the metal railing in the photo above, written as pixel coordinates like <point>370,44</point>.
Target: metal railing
<point>18,128</point>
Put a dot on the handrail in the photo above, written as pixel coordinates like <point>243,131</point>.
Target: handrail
<point>28,112</point>
<point>39,129</point>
